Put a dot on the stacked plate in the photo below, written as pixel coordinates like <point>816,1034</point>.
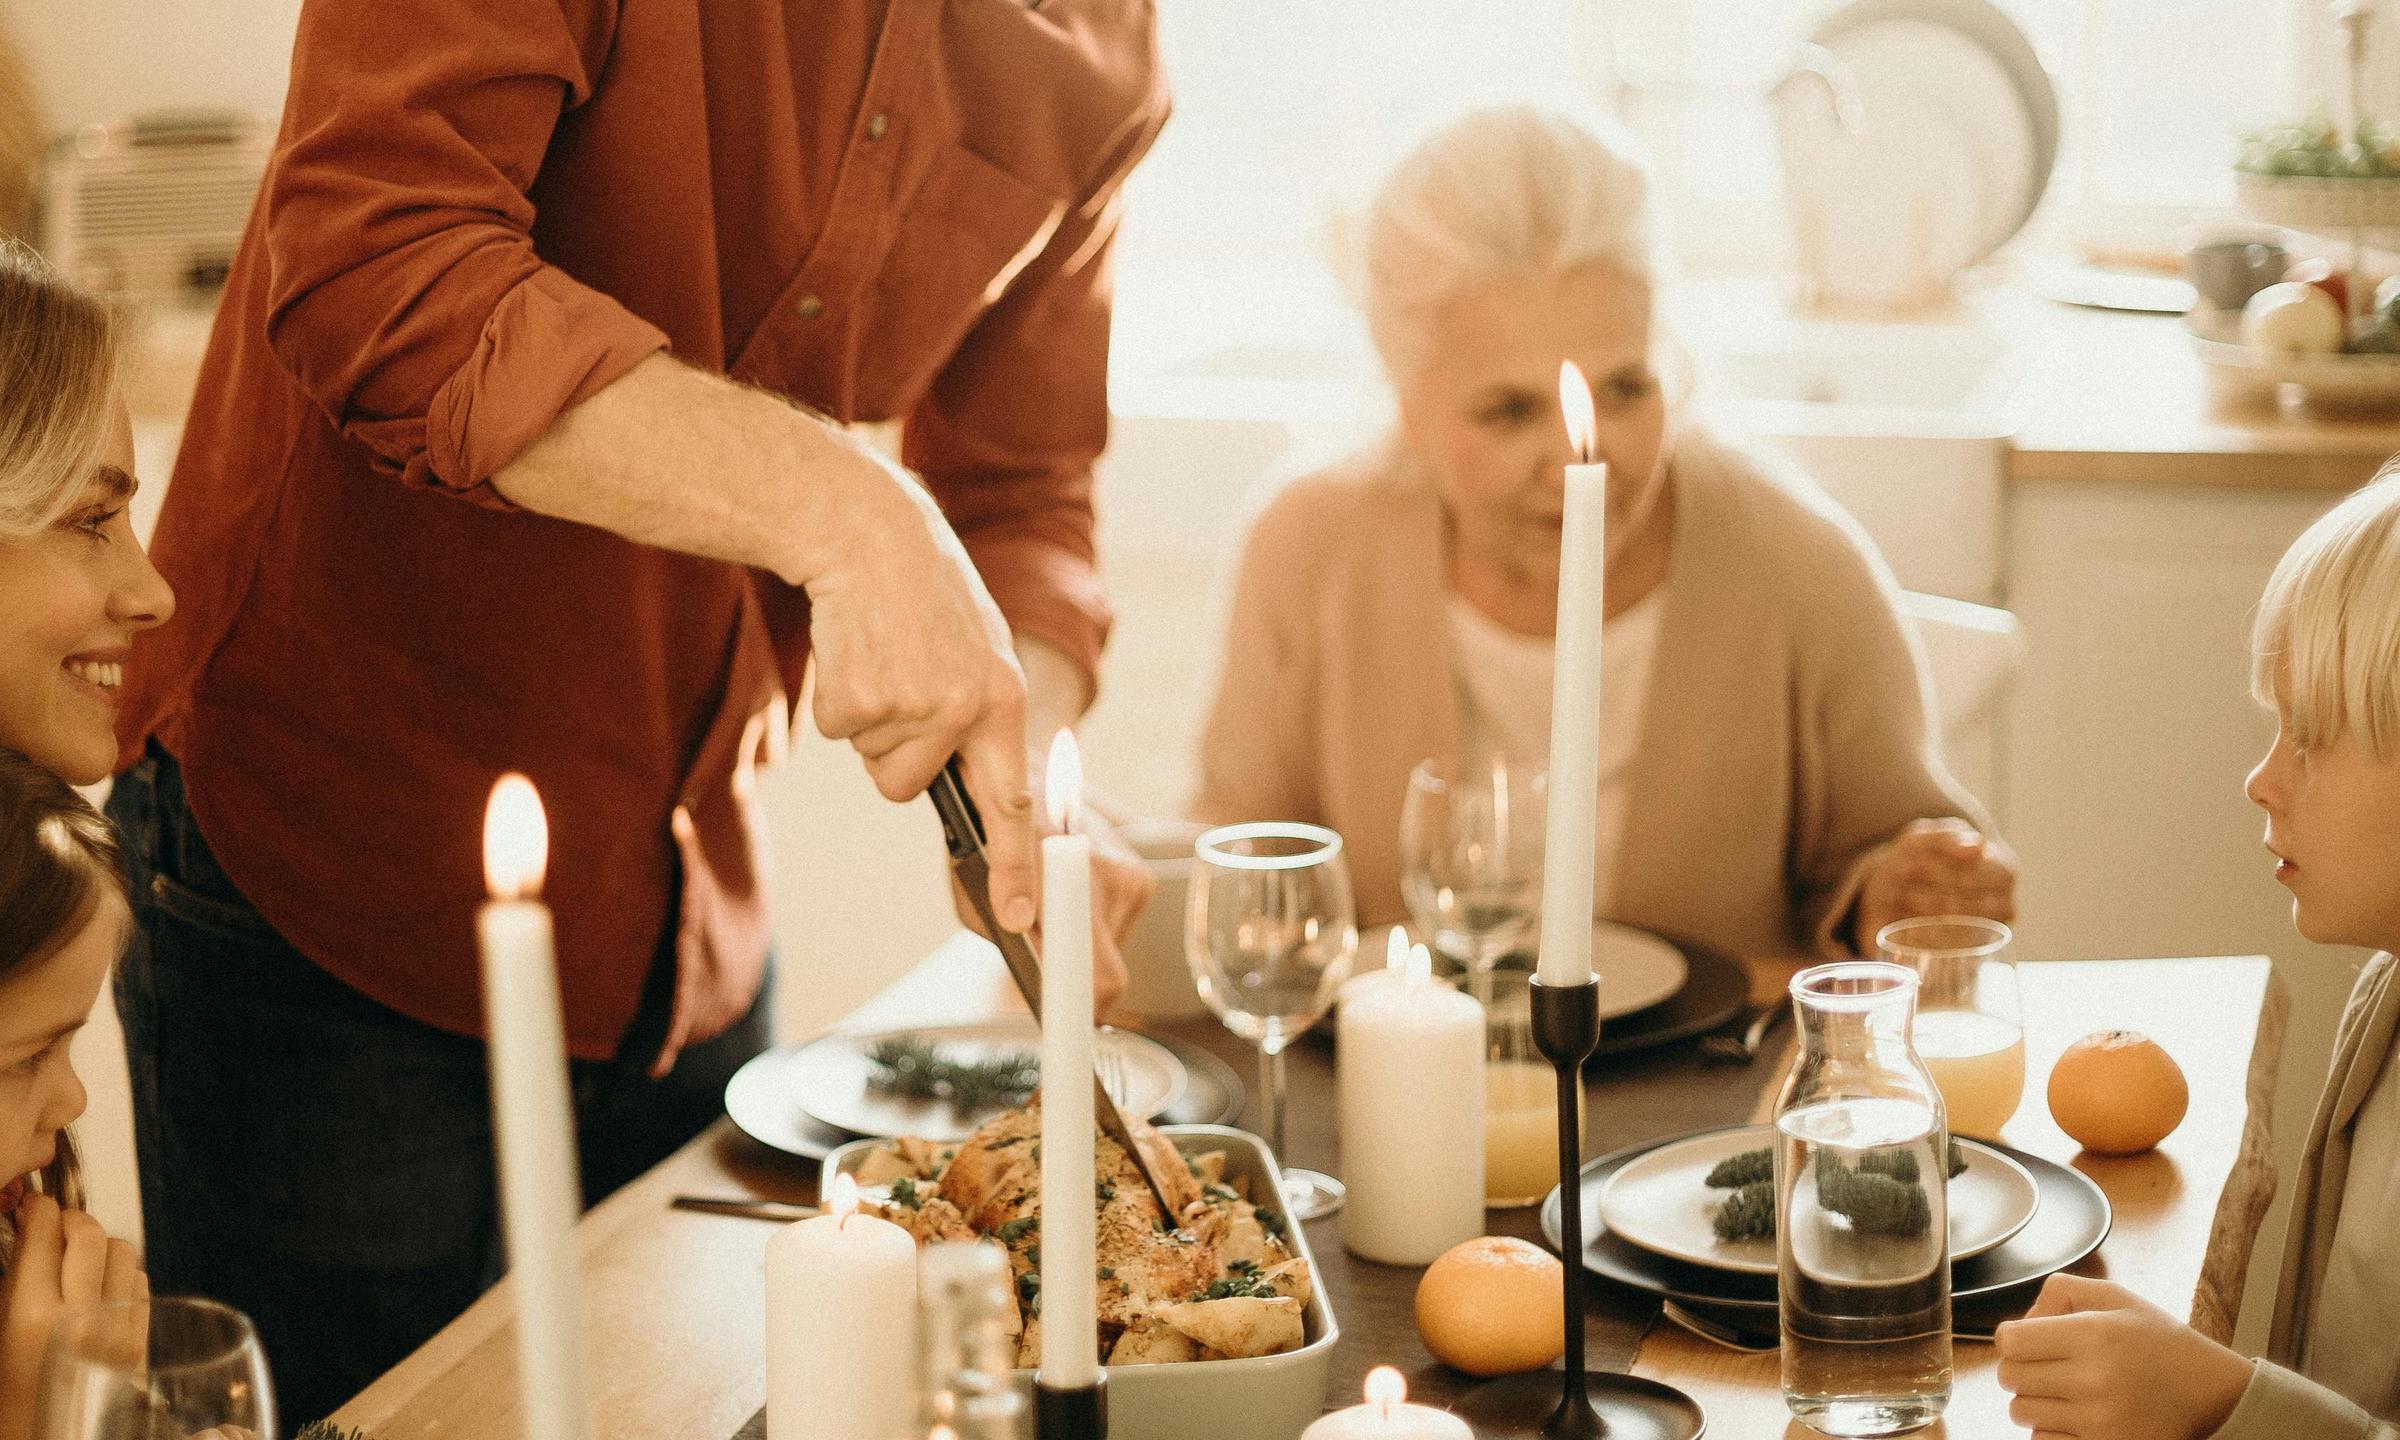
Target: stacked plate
<point>1654,989</point>
<point>810,1100</point>
<point>2015,1219</point>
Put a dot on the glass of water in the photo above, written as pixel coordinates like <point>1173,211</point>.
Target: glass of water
<point>1269,931</point>
<point>1471,861</point>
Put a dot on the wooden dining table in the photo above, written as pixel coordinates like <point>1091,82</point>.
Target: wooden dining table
<point>674,1299</point>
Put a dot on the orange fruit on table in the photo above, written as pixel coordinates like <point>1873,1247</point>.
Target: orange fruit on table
<point>2117,1092</point>
<point>1490,1306</point>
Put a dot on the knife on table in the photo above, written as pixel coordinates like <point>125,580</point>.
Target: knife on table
<point>962,828</point>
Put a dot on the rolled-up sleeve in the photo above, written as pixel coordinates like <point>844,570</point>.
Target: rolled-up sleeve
<point>408,302</point>
<point>1009,431</point>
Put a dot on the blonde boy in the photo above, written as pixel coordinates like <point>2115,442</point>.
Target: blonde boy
<point>2093,1359</point>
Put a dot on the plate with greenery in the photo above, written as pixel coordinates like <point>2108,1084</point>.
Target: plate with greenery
<point>942,1082</point>
<point>1709,1199</point>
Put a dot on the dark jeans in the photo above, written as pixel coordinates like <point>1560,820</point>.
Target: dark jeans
<point>317,1160</point>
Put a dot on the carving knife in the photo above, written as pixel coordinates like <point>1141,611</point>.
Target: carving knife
<point>962,828</point>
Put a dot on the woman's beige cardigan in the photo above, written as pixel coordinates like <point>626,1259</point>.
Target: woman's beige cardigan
<point>1785,738</point>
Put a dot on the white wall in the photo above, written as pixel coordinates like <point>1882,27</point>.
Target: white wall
<point>103,59</point>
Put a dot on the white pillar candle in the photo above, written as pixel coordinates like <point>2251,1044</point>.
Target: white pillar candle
<point>1070,1281</point>
<point>841,1325</point>
<point>1387,1416</point>
<point>1567,864</point>
<point>1408,1066</point>
<point>533,1128</point>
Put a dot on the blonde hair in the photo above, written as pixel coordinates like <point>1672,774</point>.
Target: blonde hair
<point>2325,649</point>
<point>58,370</point>
<point>1500,193</point>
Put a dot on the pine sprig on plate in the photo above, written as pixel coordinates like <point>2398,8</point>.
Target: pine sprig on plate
<point>921,1070</point>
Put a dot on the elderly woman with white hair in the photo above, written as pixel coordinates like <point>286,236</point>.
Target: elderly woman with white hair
<point>1768,782</point>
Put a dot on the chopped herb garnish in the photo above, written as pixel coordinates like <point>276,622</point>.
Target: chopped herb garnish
<point>904,1192</point>
<point>1013,1231</point>
<point>1106,1190</point>
<point>1108,1272</point>
<point>1274,1224</point>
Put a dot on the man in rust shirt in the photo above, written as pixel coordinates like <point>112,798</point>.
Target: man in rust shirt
<point>520,445</point>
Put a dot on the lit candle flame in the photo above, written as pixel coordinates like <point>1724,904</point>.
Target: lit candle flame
<point>1386,1387</point>
<point>1575,402</point>
<point>1395,950</point>
<point>516,840</point>
<point>1420,964</point>
<point>841,1200</point>
<point>1064,782</point>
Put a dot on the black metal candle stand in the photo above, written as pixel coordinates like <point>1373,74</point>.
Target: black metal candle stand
<point>1080,1413</point>
<point>1575,1404</point>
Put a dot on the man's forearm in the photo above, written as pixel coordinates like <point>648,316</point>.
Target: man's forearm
<point>672,456</point>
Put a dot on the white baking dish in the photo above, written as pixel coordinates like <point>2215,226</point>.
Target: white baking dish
<point>1273,1397</point>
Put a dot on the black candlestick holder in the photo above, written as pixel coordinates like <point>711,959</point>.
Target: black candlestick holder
<point>1080,1413</point>
<point>1578,1405</point>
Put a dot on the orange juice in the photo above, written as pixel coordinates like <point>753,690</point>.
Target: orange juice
<point>1978,1063</point>
<point>1520,1131</point>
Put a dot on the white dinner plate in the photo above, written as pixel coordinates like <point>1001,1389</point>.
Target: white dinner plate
<point>1636,968</point>
<point>829,1079</point>
<point>1661,1201</point>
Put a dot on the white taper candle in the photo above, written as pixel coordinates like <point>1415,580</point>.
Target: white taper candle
<point>533,1127</point>
<point>1574,790</point>
<point>1070,1281</point>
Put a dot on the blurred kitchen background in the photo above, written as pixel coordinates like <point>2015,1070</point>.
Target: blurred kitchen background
<point>1930,247</point>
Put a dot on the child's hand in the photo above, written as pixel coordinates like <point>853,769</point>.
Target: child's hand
<point>2092,1360</point>
<point>64,1259</point>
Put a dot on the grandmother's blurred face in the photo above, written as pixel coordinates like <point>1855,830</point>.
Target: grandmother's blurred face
<point>1483,411</point>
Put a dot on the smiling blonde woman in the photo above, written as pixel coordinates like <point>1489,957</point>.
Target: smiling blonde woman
<point>1768,781</point>
<point>75,587</point>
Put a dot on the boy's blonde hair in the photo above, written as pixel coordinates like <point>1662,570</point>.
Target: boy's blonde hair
<point>2325,649</point>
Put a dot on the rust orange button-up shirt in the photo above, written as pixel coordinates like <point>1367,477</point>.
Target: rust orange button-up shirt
<point>479,213</point>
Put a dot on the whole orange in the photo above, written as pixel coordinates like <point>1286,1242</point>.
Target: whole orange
<point>1490,1306</point>
<point>2117,1092</point>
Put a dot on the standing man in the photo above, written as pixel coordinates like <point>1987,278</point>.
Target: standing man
<point>520,445</point>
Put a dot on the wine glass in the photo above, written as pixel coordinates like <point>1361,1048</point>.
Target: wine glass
<point>1970,1026</point>
<point>173,1368</point>
<point>1269,932</point>
<point>1471,861</point>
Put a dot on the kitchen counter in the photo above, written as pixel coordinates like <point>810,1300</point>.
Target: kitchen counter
<point>2114,398</point>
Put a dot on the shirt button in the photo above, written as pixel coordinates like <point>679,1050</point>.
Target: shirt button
<point>809,307</point>
<point>877,123</point>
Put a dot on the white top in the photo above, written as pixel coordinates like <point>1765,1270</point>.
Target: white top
<point>1503,684</point>
<point>2360,1295</point>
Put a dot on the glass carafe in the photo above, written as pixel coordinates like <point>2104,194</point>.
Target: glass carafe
<point>1861,1210</point>
<point>964,1312</point>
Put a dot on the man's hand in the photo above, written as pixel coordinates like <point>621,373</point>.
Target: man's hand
<point>1935,867</point>
<point>914,664</point>
<point>63,1260</point>
<point>2096,1361</point>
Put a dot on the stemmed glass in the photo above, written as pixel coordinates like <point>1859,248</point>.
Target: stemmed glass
<point>165,1369</point>
<point>1471,861</point>
<point>1269,931</point>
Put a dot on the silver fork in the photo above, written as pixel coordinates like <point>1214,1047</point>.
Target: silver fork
<point>1726,1050</point>
<point>1109,1058</point>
